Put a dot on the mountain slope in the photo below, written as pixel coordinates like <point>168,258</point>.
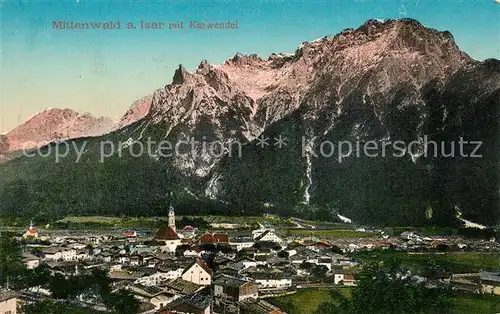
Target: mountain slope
<point>385,81</point>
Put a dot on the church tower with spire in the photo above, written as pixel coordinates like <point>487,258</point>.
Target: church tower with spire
<point>32,232</point>
<point>171,218</point>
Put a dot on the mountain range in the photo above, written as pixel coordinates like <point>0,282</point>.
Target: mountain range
<point>54,124</point>
<point>384,82</point>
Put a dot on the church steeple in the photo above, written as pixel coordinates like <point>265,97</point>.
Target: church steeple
<point>171,217</point>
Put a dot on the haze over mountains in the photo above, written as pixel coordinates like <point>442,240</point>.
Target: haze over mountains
<point>385,81</point>
<point>55,124</point>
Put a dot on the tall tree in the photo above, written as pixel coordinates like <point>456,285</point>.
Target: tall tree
<point>388,288</point>
<point>124,302</point>
<point>11,265</point>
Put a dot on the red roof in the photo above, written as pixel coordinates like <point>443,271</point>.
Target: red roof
<point>166,233</point>
<point>208,238</point>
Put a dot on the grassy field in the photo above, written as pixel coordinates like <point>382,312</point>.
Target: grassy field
<point>471,304</point>
<point>328,233</point>
<point>490,261</point>
<point>154,222</point>
<point>306,301</point>
<point>96,219</point>
<point>99,222</point>
<point>457,262</point>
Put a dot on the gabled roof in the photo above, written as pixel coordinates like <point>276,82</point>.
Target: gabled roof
<point>147,291</point>
<point>490,276</point>
<point>229,281</point>
<point>182,286</point>
<point>126,275</point>
<point>166,233</point>
<point>200,263</point>
<point>52,250</point>
<point>212,238</point>
<point>197,300</point>
<point>6,295</point>
<point>195,248</point>
<point>262,235</point>
<point>29,257</point>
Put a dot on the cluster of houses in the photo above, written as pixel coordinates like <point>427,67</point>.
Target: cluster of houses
<point>182,271</point>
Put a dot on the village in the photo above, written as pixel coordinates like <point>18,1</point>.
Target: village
<point>181,270</point>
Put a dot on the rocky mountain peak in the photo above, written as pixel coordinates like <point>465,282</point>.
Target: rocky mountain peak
<point>245,60</point>
<point>136,112</point>
<point>203,66</point>
<point>380,53</point>
<point>181,76</point>
<point>53,124</point>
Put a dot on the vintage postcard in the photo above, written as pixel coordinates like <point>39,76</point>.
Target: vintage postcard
<point>250,156</point>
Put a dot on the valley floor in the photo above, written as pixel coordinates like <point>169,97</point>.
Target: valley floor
<point>306,301</point>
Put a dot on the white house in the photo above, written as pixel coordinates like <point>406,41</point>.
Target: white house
<point>58,254</point>
<point>31,261</point>
<point>269,236</point>
<point>124,259</point>
<point>93,240</point>
<point>225,225</point>
<point>116,267</point>
<point>342,277</point>
<point>152,280</point>
<point>257,232</point>
<point>274,283</point>
<point>188,232</point>
<point>198,273</point>
<point>160,277</point>
<point>8,303</point>
<point>68,255</point>
<point>242,245</point>
<point>247,263</point>
<point>82,255</point>
<point>174,273</point>
<point>77,246</point>
<point>192,253</point>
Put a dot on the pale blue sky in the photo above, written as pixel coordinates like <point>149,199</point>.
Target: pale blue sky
<point>104,71</point>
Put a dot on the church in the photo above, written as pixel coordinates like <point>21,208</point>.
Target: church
<point>169,234</point>
<point>31,233</point>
